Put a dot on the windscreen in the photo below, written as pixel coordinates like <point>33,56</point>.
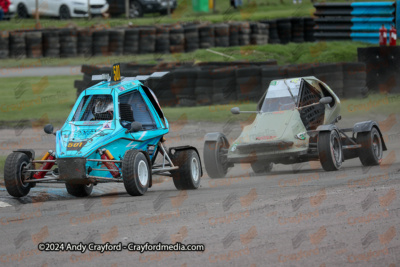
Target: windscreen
<point>95,108</point>
<point>278,97</point>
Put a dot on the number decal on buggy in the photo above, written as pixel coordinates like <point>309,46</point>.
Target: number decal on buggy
<point>76,145</point>
<point>116,73</point>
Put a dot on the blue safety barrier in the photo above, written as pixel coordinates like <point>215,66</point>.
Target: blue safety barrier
<point>359,21</point>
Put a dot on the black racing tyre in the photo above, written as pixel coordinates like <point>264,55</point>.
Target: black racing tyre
<point>64,12</point>
<point>261,167</point>
<point>13,174</point>
<point>136,172</point>
<point>330,150</point>
<point>22,11</point>
<point>215,157</point>
<point>189,172</point>
<point>79,190</point>
<point>371,150</point>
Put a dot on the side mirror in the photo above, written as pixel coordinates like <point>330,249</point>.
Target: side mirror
<point>135,127</point>
<point>325,100</point>
<point>48,128</point>
<point>235,110</point>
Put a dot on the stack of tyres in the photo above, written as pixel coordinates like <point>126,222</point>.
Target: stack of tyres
<point>284,30</point>
<point>273,37</point>
<point>204,86</point>
<point>309,24</point>
<point>162,89</point>
<point>332,75</point>
<point>259,33</point>
<point>221,35</point>
<point>100,43</point>
<point>4,44</point>
<point>191,37</point>
<point>131,41</point>
<point>51,43</point>
<point>270,73</point>
<point>88,71</point>
<point>299,70</point>
<point>176,39</point>
<point>17,45</point>
<point>354,80</point>
<point>85,42</point>
<point>234,34</point>
<point>206,36</point>
<point>33,41</point>
<point>147,40</point>
<point>162,39</point>
<point>183,86</point>
<point>224,85</point>
<point>297,30</point>
<point>248,83</point>
<point>68,43</point>
<point>244,33</point>
<point>391,54</point>
<point>116,42</point>
<point>383,68</point>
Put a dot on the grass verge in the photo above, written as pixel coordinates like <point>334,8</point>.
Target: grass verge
<point>292,53</point>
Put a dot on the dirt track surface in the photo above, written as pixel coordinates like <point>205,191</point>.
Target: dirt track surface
<point>296,215</point>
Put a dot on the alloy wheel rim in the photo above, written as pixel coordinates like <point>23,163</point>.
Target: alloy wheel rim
<point>143,172</point>
<point>195,169</point>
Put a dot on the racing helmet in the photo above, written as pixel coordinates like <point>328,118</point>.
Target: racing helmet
<point>103,106</point>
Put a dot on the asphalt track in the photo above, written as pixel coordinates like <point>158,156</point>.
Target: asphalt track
<point>298,215</point>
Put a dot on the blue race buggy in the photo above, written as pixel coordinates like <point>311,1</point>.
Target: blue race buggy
<point>114,133</point>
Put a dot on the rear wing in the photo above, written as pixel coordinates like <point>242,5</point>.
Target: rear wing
<point>116,76</point>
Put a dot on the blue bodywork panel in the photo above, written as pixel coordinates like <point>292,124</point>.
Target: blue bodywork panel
<point>82,138</point>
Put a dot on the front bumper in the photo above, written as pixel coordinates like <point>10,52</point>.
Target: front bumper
<point>273,151</point>
<point>72,169</point>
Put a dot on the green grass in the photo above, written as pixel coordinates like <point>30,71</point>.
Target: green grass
<point>291,53</point>
<point>33,98</point>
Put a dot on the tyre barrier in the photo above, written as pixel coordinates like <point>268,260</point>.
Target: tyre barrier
<point>4,40</point>
<point>68,43</point>
<point>221,35</point>
<point>17,46</point>
<point>162,39</point>
<point>131,41</point>
<point>284,30</point>
<point>244,33</point>
<point>147,40</point>
<point>191,38</point>
<point>176,38</point>
<point>51,44</point>
<point>33,44</point>
<point>227,82</point>
<point>382,68</point>
<point>116,42</point>
<point>85,42</point>
<point>100,43</point>
<point>207,36</point>
<point>297,30</point>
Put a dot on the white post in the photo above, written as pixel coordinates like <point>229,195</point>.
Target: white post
<point>89,13</point>
<point>127,9</point>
